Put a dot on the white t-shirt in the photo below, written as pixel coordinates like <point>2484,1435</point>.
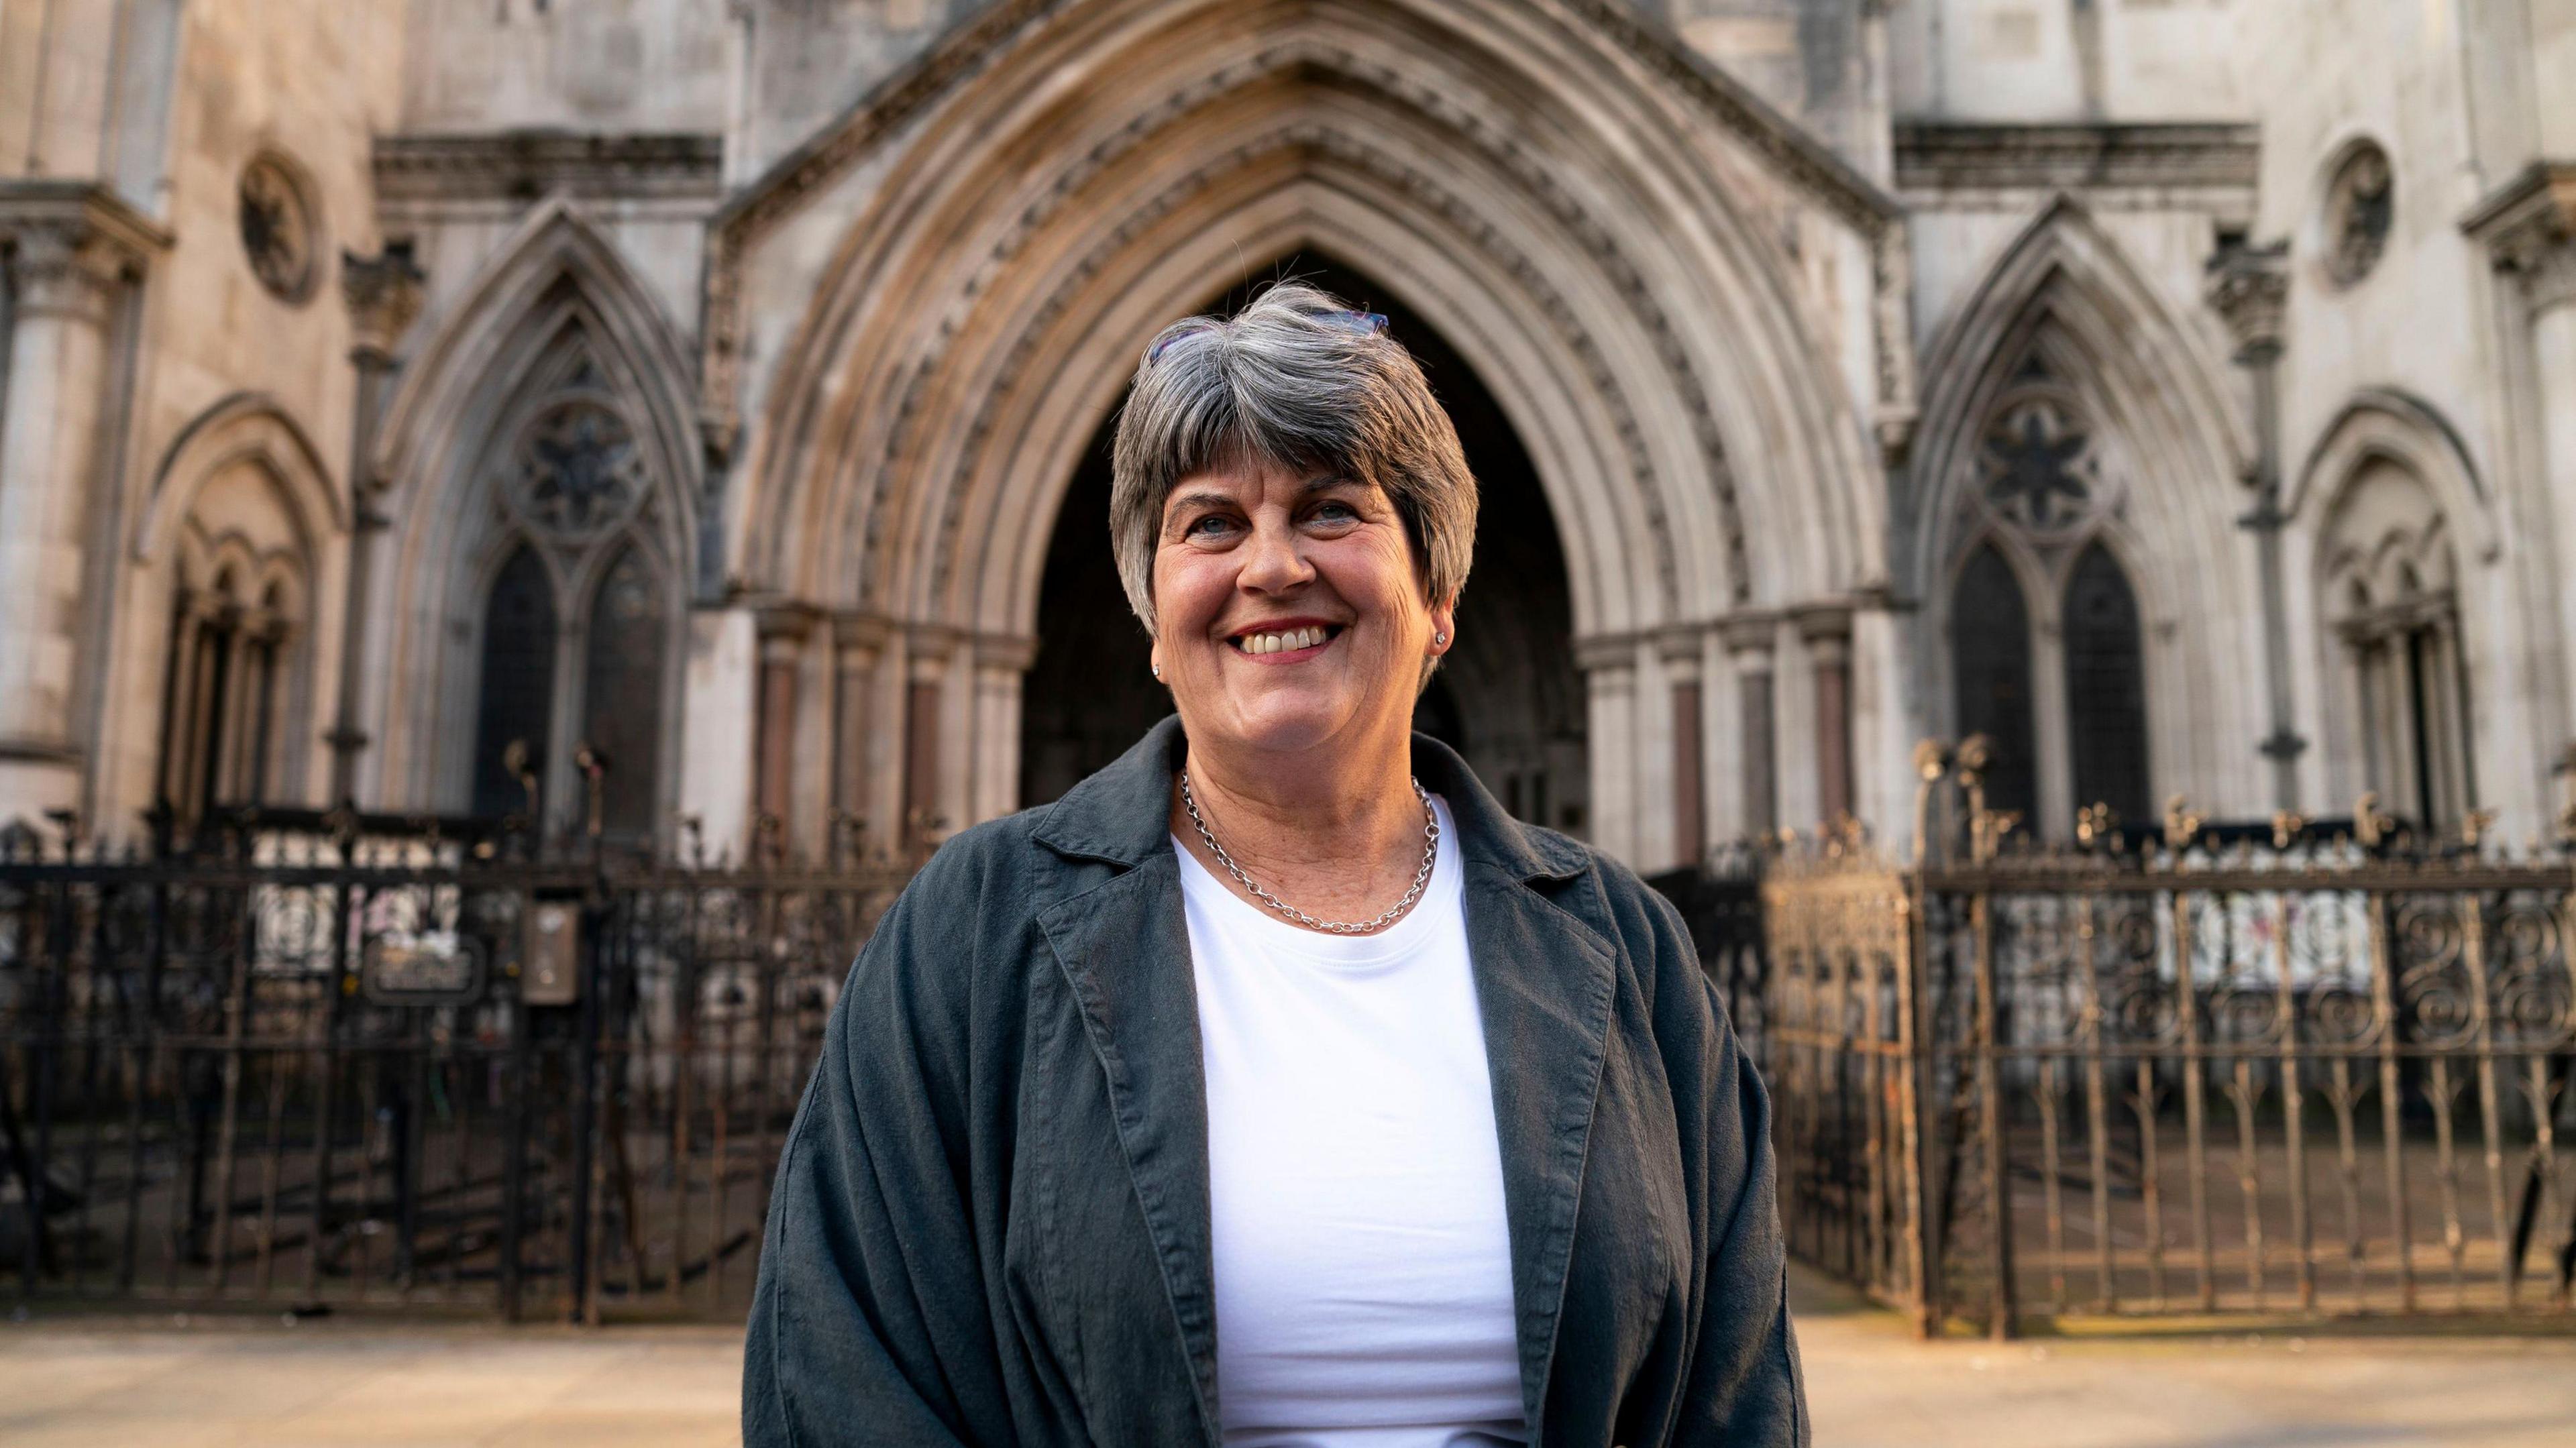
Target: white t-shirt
<point>1362,1257</point>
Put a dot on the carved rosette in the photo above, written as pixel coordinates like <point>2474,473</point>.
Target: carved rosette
<point>2360,208</point>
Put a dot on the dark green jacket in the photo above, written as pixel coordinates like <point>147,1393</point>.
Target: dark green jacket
<point>990,1224</point>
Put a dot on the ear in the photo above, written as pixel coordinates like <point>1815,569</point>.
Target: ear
<point>1444,625</point>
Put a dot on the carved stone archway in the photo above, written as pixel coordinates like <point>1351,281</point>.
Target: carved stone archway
<point>2063,312</point>
<point>1593,217</point>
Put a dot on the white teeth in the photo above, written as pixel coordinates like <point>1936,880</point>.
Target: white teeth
<point>1272,643</point>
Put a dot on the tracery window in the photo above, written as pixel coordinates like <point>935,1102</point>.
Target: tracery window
<point>517,702</point>
<point>576,620</point>
<point>2106,686</point>
<point>236,656</point>
<point>2052,672</point>
<point>221,695</point>
<point>2391,605</point>
<point>1990,650</point>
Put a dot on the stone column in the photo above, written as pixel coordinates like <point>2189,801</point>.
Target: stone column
<point>1826,630</point>
<point>1750,638</point>
<point>926,820</point>
<point>383,293</point>
<point>1609,665</point>
<point>1001,662</point>
<point>782,658</point>
<point>1679,650</point>
<point>70,253</point>
<point>857,646</point>
<point>2249,288</point>
<point>2529,228</point>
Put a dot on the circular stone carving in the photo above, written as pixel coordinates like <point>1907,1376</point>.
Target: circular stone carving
<point>2038,463</point>
<point>2360,203</point>
<point>577,470</point>
<point>280,228</point>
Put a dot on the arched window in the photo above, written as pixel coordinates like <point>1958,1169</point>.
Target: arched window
<point>622,691</point>
<point>2106,686</point>
<point>2389,582</point>
<point>232,671</point>
<point>517,700</point>
<point>578,625</point>
<point>1990,653</point>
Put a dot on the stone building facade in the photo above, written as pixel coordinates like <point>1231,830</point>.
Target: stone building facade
<point>403,402</point>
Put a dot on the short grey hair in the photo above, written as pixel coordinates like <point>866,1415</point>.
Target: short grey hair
<point>1298,380</point>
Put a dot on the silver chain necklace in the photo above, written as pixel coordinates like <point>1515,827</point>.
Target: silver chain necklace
<point>1430,852</point>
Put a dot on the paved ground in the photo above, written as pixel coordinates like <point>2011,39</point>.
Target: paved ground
<point>153,1383</point>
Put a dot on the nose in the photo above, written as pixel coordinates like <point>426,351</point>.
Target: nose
<point>1275,561</point>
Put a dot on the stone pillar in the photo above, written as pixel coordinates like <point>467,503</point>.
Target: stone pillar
<point>383,293</point>
<point>1750,638</point>
<point>2529,228</point>
<point>2249,288</point>
<point>1679,650</point>
<point>70,252</point>
<point>858,644</point>
<point>1826,630</point>
<point>1609,665</point>
<point>1001,663</point>
<point>782,658</point>
<point>925,817</point>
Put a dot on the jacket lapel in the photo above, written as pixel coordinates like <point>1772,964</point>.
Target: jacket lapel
<point>1124,948</point>
<point>1544,983</point>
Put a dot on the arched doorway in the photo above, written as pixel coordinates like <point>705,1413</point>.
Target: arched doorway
<point>1508,698</point>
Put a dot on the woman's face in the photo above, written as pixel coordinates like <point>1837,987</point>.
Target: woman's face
<point>1288,610</point>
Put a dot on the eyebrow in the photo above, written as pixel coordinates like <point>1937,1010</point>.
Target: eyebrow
<point>1317,484</point>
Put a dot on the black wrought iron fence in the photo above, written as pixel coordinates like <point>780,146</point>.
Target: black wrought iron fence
<point>324,1070</point>
<point>2317,1074</point>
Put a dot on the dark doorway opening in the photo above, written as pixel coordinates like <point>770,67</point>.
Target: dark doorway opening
<point>1508,696</point>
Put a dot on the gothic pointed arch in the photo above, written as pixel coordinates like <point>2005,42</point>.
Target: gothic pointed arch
<point>548,412</point>
<point>2397,569</point>
<point>2069,406</point>
<point>978,313</point>
<point>224,616</point>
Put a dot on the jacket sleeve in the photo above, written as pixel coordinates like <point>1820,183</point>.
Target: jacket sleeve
<point>869,1322</point>
<point>1742,1384</point>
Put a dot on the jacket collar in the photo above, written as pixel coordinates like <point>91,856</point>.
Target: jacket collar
<point>1123,813</point>
<point>1545,980</point>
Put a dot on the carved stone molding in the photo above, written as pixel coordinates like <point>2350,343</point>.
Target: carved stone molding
<point>384,294</point>
<point>1331,143</point>
<point>2528,226</point>
<point>1614,652</point>
<point>1812,171</point>
<point>58,272</point>
<point>524,165</point>
<point>1960,156</point>
<point>1750,635</point>
<point>69,244</point>
<point>1824,622</point>
<point>2249,289</point>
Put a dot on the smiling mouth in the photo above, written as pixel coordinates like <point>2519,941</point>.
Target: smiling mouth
<point>1261,642</point>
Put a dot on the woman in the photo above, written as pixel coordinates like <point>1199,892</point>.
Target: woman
<point>1273,1087</point>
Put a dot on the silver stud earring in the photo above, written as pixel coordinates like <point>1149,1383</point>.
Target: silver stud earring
<point>1440,638</point>
<point>1157,668</point>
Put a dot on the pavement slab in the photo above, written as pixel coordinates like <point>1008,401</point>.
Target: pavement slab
<point>86,1381</point>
